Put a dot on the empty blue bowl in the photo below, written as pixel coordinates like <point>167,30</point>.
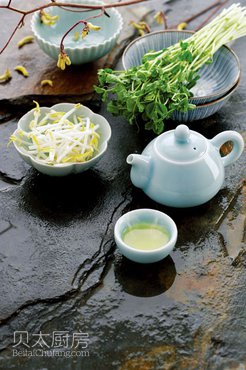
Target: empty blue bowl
<point>216,79</point>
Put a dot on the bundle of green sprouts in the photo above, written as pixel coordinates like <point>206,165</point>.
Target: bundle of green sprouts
<point>58,137</point>
<point>163,82</point>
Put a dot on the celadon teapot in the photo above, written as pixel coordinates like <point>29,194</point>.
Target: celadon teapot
<point>181,168</point>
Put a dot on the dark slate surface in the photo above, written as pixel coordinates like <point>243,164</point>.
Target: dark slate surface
<point>60,269</point>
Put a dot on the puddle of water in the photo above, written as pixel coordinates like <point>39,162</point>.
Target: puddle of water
<point>232,227</point>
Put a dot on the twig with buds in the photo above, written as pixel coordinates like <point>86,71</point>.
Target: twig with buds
<point>49,20</point>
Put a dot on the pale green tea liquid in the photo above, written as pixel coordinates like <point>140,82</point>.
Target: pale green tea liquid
<point>146,236</point>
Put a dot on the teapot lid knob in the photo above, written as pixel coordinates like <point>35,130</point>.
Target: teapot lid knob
<point>182,133</point>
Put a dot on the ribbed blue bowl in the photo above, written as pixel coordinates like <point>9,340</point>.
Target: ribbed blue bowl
<point>216,79</point>
<point>94,46</point>
<point>204,110</point>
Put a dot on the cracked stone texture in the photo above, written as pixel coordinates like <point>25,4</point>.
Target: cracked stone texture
<point>60,269</point>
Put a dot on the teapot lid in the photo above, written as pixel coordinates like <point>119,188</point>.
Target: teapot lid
<point>181,144</point>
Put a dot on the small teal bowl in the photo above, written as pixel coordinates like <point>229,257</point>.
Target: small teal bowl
<point>94,46</point>
<point>150,216</point>
<point>216,79</point>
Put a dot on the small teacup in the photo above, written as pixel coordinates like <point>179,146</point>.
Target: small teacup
<point>145,218</point>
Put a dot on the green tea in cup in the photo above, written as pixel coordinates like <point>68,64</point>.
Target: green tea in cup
<point>144,236</point>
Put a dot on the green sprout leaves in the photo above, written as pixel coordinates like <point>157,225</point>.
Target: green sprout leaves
<point>162,84</point>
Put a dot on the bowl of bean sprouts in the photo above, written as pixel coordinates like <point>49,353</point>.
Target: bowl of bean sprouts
<point>62,140</point>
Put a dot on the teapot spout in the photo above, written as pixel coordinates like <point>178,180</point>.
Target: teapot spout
<point>140,170</point>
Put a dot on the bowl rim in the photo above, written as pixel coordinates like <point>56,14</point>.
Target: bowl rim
<point>221,91</point>
<point>70,164</point>
<point>79,46</point>
<point>171,241</point>
<point>227,95</point>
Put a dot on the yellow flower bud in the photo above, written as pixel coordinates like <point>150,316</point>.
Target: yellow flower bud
<point>93,27</point>
<point>159,18</point>
<point>141,32</point>
<point>63,60</point>
<point>85,32</point>
<point>22,70</point>
<point>67,60</point>
<point>47,19</point>
<point>25,40</point>
<point>182,26</point>
<point>76,36</point>
<point>46,82</point>
<point>6,76</point>
<point>142,27</point>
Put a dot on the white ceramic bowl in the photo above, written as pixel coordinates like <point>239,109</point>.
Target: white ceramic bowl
<point>64,169</point>
<point>94,46</point>
<point>149,216</point>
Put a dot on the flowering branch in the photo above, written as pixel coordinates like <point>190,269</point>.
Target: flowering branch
<point>63,58</point>
<point>86,28</point>
<point>53,3</point>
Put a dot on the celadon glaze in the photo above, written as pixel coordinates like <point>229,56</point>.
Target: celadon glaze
<point>92,47</point>
<point>64,169</point>
<point>181,168</point>
<point>151,217</point>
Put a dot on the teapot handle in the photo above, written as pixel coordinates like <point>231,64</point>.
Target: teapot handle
<point>238,145</point>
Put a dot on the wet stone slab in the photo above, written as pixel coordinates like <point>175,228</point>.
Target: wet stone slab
<point>60,269</point>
